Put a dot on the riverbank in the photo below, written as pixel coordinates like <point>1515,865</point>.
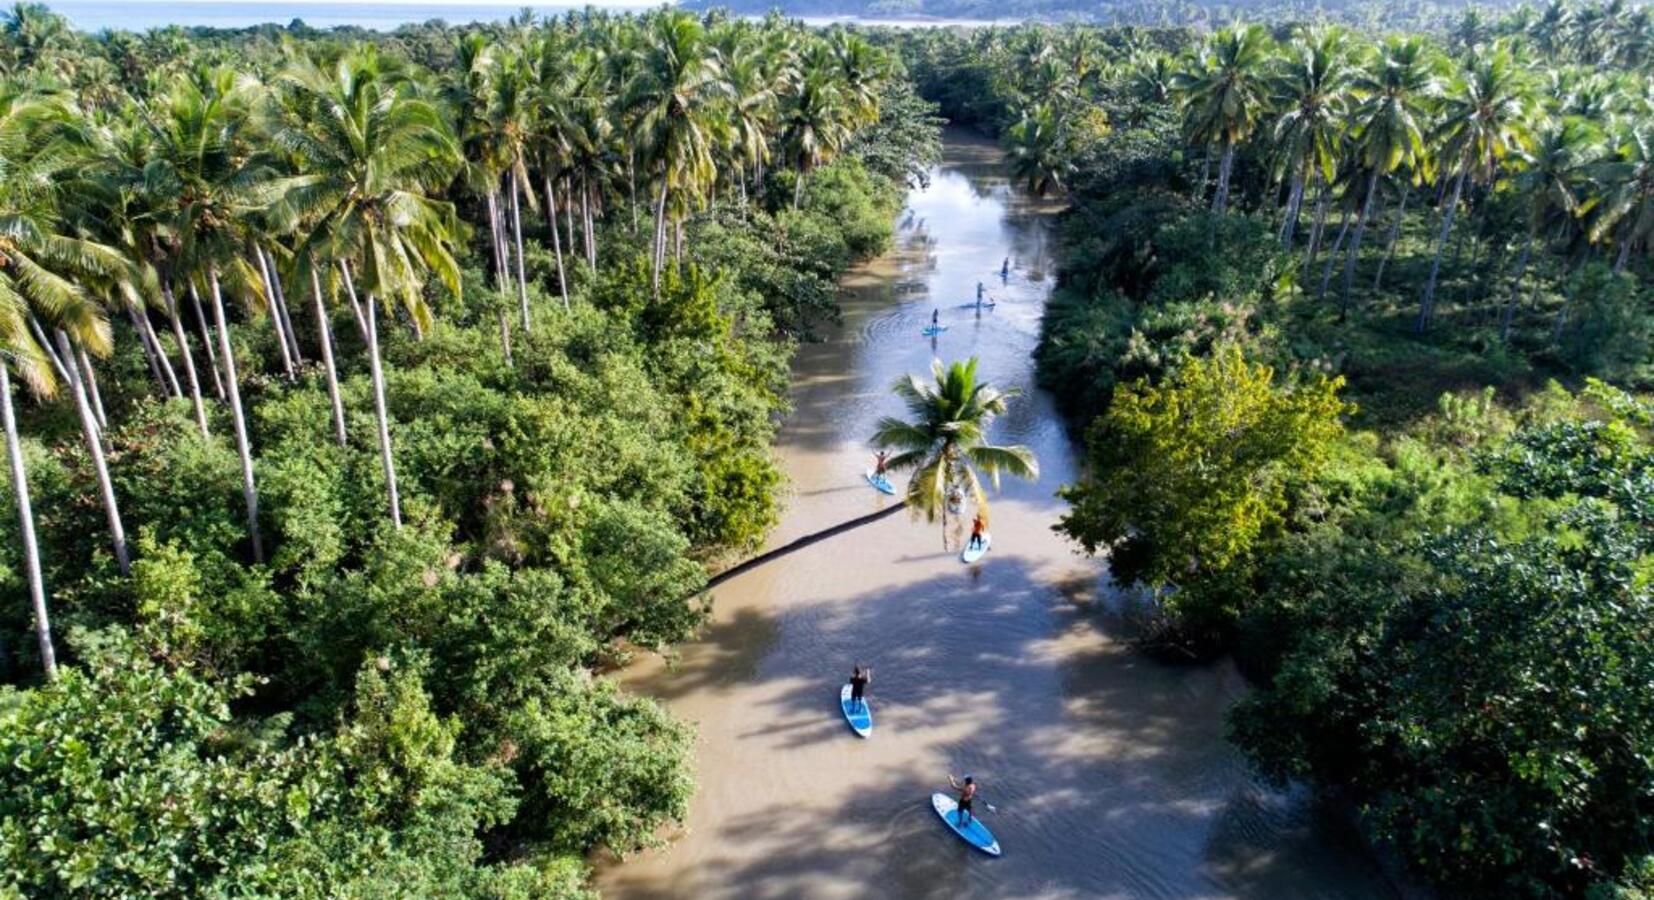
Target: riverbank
<point>1110,771</point>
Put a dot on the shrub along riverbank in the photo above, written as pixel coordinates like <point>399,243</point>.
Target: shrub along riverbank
<point>278,672</point>
<point>1407,482</point>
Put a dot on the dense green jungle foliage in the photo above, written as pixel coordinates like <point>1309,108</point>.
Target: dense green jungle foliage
<point>1356,326</point>
<point>376,394</point>
<point>1611,23</point>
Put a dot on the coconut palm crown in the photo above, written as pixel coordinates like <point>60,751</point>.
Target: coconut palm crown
<point>945,440</point>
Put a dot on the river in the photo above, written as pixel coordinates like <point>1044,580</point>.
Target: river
<point>1110,771</point>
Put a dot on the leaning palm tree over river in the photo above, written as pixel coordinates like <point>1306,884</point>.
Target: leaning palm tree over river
<point>944,442</point>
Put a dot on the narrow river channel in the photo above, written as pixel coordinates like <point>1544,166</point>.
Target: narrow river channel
<point>1109,770</point>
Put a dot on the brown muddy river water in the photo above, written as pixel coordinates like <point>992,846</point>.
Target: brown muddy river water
<point>1110,770</point>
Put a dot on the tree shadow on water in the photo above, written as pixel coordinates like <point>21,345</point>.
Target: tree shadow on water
<point>1110,771</point>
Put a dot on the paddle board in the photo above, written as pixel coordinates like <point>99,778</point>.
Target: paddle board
<point>972,554</point>
<point>984,305</point>
<point>976,834</point>
<point>860,716</point>
<point>933,330</point>
<point>879,483</point>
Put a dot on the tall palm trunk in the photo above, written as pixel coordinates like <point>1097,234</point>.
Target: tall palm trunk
<point>150,354</point>
<point>1427,306</point>
<point>504,239</point>
<point>798,184</point>
<point>1294,200</point>
<point>207,341</point>
<point>1355,242</point>
<point>660,235</point>
<point>286,316</point>
<point>1623,256</point>
<point>501,280</point>
<point>186,355</point>
<point>243,446</point>
<point>517,235</point>
<point>92,388</point>
<point>1571,276</point>
<point>324,336</point>
<point>378,375</point>
<point>1395,232</point>
<point>94,447</point>
<point>1515,288</point>
<point>590,228</point>
<point>161,366</point>
<point>25,523</point>
<point>556,242</point>
<point>1220,199</point>
<point>46,344</point>
<point>1332,255</point>
<point>275,319</point>
<point>1317,228</point>
<point>355,304</point>
<point>167,371</point>
<point>568,211</point>
<point>631,182</point>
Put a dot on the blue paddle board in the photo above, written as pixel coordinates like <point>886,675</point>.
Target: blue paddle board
<point>859,715</point>
<point>972,554</point>
<point>879,483</point>
<point>934,330</point>
<point>975,833</point>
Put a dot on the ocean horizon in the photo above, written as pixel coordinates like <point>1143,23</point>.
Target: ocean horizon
<point>377,15</point>
<point>143,15</point>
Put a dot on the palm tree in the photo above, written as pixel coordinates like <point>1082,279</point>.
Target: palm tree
<point>1152,80</point>
<point>207,166</point>
<point>112,201</point>
<point>1551,180</point>
<point>32,31</point>
<point>1484,120</point>
<point>590,135</point>
<point>945,444</point>
<point>1622,203</point>
<point>751,104</point>
<point>37,252</point>
<point>1223,94</point>
<point>468,89</point>
<point>1312,90</point>
<point>34,256</point>
<point>945,440</point>
<point>369,154</point>
<point>675,95</point>
<point>816,117</point>
<point>1039,150</point>
<point>22,352</point>
<point>1388,126</point>
<point>611,66</point>
<point>550,137</point>
<point>1550,31</point>
<point>508,119</point>
<point>861,71</point>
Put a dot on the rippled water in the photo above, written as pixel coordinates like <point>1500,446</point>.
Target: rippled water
<point>1109,770</point>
